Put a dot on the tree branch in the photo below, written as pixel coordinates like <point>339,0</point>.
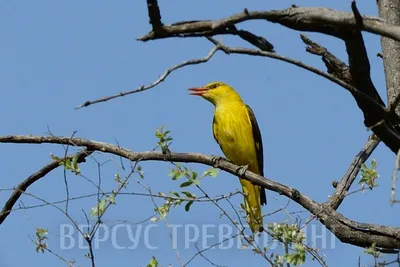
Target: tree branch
<point>373,103</point>
<point>334,66</point>
<point>155,16</point>
<point>313,19</point>
<point>258,41</point>
<point>382,124</point>
<point>21,188</point>
<point>158,81</point>
<point>345,183</point>
<point>389,10</point>
<point>348,231</point>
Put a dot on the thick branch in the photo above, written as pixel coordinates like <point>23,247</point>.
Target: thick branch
<point>348,231</point>
<point>390,11</point>
<point>21,188</point>
<point>361,69</point>
<point>383,125</point>
<point>314,19</point>
<point>155,16</point>
<point>334,66</point>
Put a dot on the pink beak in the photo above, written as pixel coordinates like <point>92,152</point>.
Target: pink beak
<point>198,91</point>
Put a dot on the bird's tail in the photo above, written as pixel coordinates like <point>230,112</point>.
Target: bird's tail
<point>252,203</point>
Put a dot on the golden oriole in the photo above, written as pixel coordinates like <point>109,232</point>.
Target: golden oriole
<point>236,131</point>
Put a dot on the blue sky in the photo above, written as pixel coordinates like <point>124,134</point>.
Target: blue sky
<point>57,54</point>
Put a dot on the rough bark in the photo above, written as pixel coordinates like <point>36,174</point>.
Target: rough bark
<point>389,10</point>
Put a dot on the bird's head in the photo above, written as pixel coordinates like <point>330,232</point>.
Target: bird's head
<point>216,92</point>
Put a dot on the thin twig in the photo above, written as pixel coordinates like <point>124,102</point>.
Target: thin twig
<point>174,247</point>
<point>159,80</point>
<point>23,186</point>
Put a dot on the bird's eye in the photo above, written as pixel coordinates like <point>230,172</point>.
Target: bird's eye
<point>213,86</point>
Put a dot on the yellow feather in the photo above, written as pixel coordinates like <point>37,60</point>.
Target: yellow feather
<point>233,130</point>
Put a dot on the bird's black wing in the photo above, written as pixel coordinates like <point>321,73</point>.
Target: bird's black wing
<point>259,149</point>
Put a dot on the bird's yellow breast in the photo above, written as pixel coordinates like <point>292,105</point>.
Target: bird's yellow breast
<point>233,130</point>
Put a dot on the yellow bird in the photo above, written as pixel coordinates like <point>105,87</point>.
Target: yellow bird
<point>236,131</point>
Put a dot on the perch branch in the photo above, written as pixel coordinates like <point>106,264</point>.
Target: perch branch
<point>348,231</point>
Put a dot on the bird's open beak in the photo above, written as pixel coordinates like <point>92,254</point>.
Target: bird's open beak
<point>198,91</point>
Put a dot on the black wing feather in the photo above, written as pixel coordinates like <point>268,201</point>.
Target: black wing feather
<point>259,149</point>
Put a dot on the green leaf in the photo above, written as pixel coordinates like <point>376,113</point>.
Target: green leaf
<point>176,194</point>
<point>53,157</point>
<point>185,184</point>
<point>112,199</point>
<point>40,238</point>
<point>176,174</point>
<point>187,206</point>
<point>164,139</point>
<point>99,209</point>
<point>75,165</point>
<point>372,251</point>
<point>213,172</point>
<point>140,171</point>
<point>373,164</point>
<point>188,194</point>
<point>158,134</point>
<point>369,175</point>
<point>153,262</point>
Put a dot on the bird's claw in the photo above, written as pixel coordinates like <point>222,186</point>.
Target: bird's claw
<point>215,160</point>
<point>242,170</point>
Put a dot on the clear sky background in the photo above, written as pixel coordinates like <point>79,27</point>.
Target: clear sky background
<point>57,54</point>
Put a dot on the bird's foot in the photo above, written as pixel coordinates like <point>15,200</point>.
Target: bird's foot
<point>215,160</point>
<point>242,169</point>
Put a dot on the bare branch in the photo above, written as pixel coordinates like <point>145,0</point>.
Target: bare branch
<point>159,80</point>
<point>21,188</point>
<point>313,19</point>
<point>382,124</point>
<point>348,231</point>
<point>258,41</point>
<point>345,183</point>
<point>373,103</point>
<point>155,16</point>
<point>334,66</point>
